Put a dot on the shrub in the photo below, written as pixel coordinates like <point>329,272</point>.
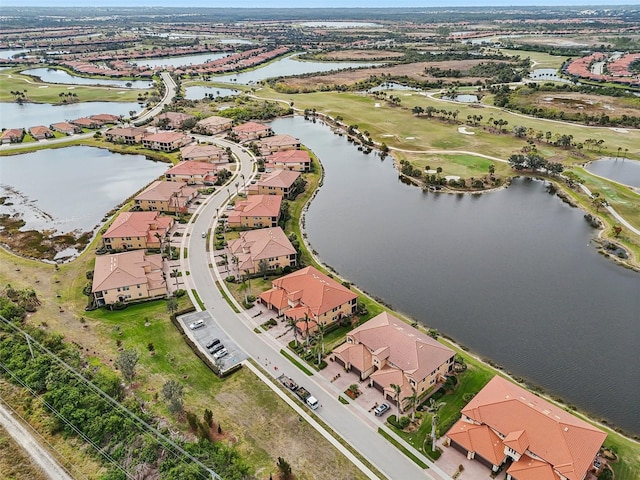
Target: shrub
<point>180,293</point>
<point>230,279</point>
<point>404,422</point>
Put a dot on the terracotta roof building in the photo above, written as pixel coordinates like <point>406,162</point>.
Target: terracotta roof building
<point>85,122</point>
<point>506,423</point>
<point>213,125</point>
<point>65,127</point>
<point>106,118</point>
<point>135,230</point>
<point>280,182</point>
<point>204,153</point>
<point>165,141</point>
<point>252,131</point>
<point>192,173</point>
<point>298,160</point>
<point>127,277</point>
<point>128,135</point>
<point>268,245</point>
<point>388,351</point>
<point>12,135</point>
<point>277,143</point>
<point>308,294</point>
<point>165,196</point>
<point>257,211</point>
<point>41,132</point>
<point>174,120</point>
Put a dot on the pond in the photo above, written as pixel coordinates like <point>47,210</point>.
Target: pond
<point>32,114</point>
<point>178,61</point>
<point>391,86</point>
<point>511,274</point>
<point>618,169</point>
<point>71,189</point>
<point>53,75</point>
<point>285,67</point>
<point>10,53</point>
<point>199,92</point>
<point>550,74</point>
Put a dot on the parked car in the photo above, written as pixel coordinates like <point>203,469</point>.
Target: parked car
<point>204,234</point>
<point>212,343</point>
<point>197,324</point>
<point>380,409</point>
<point>216,348</point>
<point>221,353</point>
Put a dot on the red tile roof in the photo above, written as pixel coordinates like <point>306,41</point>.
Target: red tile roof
<point>138,224</point>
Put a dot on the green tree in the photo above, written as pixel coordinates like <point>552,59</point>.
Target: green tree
<point>263,267</point>
<point>397,389</point>
<point>172,305</point>
<point>126,362</point>
<point>432,407</point>
<point>412,402</point>
<point>172,392</point>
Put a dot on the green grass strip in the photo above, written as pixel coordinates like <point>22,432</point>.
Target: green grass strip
<point>343,400</point>
<point>197,297</point>
<point>184,253</point>
<point>226,297</point>
<point>400,447</point>
<point>296,362</point>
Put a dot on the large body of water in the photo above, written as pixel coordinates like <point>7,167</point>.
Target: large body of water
<point>285,67</point>
<point>32,114</point>
<point>621,170</point>
<point>52,75</point>
<point>71,189</point>
<point>509,274</point>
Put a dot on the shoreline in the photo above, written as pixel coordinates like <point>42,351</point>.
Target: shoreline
<point>496,369</point>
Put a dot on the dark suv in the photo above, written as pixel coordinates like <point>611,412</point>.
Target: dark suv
<point>216,348</point>
<point>213,343</point>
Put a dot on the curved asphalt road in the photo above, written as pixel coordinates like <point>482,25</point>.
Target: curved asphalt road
<point>347,421</point>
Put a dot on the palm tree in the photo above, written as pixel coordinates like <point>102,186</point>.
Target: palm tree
<point>433,407</point>
<point>396,394</point>
<point>412,401</point>
<point>321,327</point>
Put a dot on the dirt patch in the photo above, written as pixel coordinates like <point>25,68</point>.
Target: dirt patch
<point>584,103</point>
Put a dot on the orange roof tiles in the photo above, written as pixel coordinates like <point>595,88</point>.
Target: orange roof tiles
<point>192,168</point>
<point>289,156</point>
<point>313,289</point>
<point>251,127</point>
<point>137,224</point>
<point>256,245</point>
<point>279,179</point>
<point>480,439</point>
<point>126,269</point>
<point>257,206</point>
<point>554,435</point>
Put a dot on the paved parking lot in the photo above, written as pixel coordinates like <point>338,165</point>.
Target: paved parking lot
<point>203,335</point>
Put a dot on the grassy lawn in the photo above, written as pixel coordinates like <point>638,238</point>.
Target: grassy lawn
<point>50,92</point>
<point>543,60</point>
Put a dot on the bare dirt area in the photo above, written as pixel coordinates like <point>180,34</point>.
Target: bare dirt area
<point>415,71</point>
<point>14,462</point>
<point>360,55</point>
<point>584,103</point>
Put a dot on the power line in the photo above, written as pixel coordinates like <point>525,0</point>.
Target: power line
<point>159,435</point>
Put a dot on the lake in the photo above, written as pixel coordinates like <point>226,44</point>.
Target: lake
<point>52,75</point>
<point>71,189</point>
<point>618,169</point>
<point>179,61</point>
<point>199,92</point>
<point>32,114</point>
<point>285,67</point>
<point>512,275</point>
<point>341,25</point>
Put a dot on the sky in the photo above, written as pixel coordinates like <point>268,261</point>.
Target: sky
<point>311,3</point>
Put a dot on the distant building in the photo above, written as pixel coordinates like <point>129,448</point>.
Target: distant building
<point>277,143</point>
<point>279,182</point>
<point>137,230</point>
<point>12,135</point>
<point>214,125</point>
<point>127,277</point>
<point>106,118</point>
<point>257,211</point>
<point>172,120</point>
<point>41,132</point>
<point>297,160</point>
<point>86,122</point>
<point>252,131</point>
<point>165,141</point>
<point>65,127</point>
<point>127,135</point>
<point>269,245</point>
<point>192,173</point>
<point>165,196</point>
<point>204,153</point>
